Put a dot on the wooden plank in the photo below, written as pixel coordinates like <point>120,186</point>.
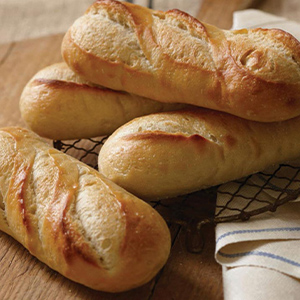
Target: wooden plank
<point>24,60</point>
<point>191,276</point>
<point>24,277</point>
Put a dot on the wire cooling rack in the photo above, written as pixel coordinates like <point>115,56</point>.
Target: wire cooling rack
<point>237,201</point>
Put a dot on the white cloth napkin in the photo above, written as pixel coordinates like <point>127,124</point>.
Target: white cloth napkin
<point>261,257</point>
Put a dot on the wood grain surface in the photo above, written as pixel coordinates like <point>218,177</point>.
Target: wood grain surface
<point>185,276</point>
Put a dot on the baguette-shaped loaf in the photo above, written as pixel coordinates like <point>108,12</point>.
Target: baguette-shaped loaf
<point>60,105</point>
<point>173,57</point>
<point>75,220</point>
<point>169,154</point>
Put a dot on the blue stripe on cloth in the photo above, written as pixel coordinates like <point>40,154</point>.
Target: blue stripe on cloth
<point>261,253</point>
<point>257,231</point>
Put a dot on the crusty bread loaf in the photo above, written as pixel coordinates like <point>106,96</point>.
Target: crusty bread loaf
<point>168,154</point>
<point>173,57</point>
<point>75,220</point>
<point>60,105</point>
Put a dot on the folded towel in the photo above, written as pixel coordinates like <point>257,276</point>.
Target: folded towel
<point>260,257</point>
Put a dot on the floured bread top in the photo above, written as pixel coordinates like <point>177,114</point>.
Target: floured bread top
<point>104,33</point>
<point>270,54</point>
<point>173,57</point>
<point>59,185</point>
<point>174,35</point>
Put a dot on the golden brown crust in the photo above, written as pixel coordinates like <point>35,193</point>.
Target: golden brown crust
<point>58,104</point>
<point>172,57</point>
<point>173,153</point>
<point>73,219</point>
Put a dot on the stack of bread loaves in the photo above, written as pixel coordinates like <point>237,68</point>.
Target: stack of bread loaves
<point>122,55</point>
<point>247,80</point>
<point>231,106</point>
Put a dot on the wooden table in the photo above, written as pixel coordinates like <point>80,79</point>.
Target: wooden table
<point>185,276</point>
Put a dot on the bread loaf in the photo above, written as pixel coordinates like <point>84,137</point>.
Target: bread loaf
<point>74,220</point>
<point>172,57</point>
<point>169,154</point>
<point>60,105</point>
